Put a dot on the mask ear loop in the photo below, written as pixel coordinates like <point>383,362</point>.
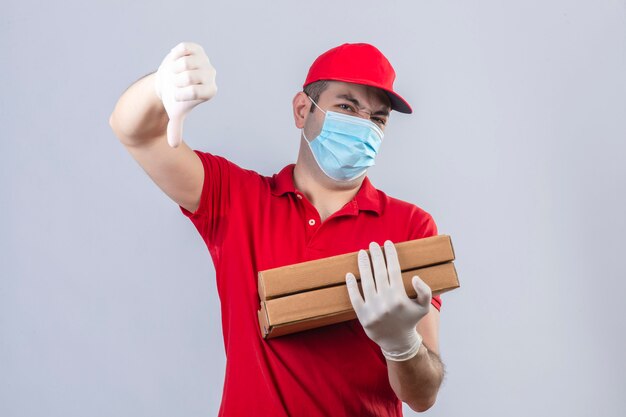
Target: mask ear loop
<point>313,101</point>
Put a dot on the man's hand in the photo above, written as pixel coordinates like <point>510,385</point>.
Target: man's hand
<point>388,316</point>
<point>184,79</point>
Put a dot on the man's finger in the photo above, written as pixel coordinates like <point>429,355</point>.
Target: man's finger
<point>424,293</point>
<point>185,48</point>
<point>189,93</point>
<point>367,279</point>
<point>188,63</point>
<point>191,77</point>
<point>354,293</point>
<point>380,268</point>
<point>393,268</point>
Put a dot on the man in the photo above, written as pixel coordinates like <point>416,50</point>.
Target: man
<point>322,206</point>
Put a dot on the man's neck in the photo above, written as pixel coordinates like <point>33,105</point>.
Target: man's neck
<point>326,195</point>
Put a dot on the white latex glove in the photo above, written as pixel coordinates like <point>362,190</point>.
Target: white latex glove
<point>184,79</point>
<point>387,314</point>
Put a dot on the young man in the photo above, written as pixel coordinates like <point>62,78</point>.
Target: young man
<point>322,205</point>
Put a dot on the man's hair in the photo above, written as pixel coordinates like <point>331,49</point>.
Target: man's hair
<point>314,90</point>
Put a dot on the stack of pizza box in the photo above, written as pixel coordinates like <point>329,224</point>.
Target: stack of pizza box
<point>313,294</point>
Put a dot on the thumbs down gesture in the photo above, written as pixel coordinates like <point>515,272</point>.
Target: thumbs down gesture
<point>184,79</point>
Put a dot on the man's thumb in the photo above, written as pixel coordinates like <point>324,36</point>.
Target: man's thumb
<point>175,131</point>
<point>424,293</point>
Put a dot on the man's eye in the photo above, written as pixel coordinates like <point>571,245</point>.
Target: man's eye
<point>379,121</point>
<point>346,107</point>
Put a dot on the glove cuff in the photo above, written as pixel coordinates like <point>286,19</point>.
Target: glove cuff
<point>404,356</point>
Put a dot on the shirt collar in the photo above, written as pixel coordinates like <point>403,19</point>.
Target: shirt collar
<point>367,198</point>
<point>282,182</point>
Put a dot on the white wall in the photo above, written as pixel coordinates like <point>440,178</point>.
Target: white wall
<point>516,148</point>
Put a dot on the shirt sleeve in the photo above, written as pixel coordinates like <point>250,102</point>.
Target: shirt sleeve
<point>215,199</point>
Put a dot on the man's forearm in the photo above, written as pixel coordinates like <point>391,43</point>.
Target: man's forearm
<point>139,115</point>
<point>416,381</point>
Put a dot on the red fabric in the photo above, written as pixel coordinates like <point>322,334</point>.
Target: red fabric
<point>358,63</point>
<point>251,223</point>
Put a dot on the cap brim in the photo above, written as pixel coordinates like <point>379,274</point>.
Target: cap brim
<point>398,103</point>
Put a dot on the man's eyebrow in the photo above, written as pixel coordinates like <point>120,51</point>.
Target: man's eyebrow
<point>350,98</point>
<point>354,101</point>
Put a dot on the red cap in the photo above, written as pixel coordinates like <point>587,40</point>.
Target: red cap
<point>358,63</point>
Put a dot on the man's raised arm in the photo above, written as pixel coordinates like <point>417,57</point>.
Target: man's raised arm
<point>148,120</point>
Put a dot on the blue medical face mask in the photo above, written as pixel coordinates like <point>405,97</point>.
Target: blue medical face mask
<point>346,146</point>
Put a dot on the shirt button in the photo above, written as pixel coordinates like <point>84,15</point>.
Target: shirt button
<point>299,196</point>
<point>312,222</point>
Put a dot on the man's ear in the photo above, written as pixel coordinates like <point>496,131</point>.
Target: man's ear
<point>301,109</point>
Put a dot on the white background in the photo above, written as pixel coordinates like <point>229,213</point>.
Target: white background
<point>108,304</point>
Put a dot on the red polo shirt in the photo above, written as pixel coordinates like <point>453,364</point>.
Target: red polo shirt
<point>250,223</point>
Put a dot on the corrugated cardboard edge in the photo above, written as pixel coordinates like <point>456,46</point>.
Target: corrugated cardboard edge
<point>264,325</point>
<point>452,247</point>
<point>309,324</point>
